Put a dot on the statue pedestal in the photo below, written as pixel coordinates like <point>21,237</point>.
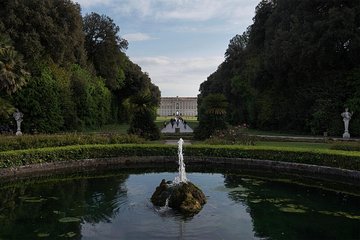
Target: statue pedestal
<point>346,135</point>
<point>18,133</point>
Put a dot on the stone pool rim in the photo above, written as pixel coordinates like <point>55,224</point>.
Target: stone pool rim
<point>337,175</point>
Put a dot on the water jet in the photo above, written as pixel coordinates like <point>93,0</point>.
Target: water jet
<point>179,194</point>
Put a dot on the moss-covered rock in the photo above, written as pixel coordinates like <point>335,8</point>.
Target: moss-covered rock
<point>185,197</point>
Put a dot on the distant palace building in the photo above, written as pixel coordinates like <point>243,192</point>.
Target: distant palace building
<point>184,106</point>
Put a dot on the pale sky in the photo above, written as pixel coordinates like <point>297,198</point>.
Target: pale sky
<point>179,43</point>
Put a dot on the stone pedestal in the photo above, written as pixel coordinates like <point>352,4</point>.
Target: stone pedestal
<point>346,118</point>
<point>18,118</point>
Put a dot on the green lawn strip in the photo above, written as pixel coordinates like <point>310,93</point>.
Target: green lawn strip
<point>324,157</point>
<point>110,128</point>
<point>308,145</point>
<point>193,123</point>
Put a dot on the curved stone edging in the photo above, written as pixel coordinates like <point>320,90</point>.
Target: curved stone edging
<point>305,170</point>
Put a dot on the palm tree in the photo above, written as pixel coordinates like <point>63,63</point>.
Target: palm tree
<point>5,108</point>
<point>215,104</point>
<point>12,73</point>
<point>212,115</point>
<point>143,116</point>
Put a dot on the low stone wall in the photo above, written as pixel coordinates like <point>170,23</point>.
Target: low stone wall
<point>275,167</point>
<point>285,167</point>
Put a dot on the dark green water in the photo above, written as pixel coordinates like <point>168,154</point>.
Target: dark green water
<point>117,206</point>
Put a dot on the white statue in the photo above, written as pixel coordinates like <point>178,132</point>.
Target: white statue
<point>18,118</point>
<point>346,118</point>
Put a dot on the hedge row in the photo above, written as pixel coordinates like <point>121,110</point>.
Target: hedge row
<point>346,146</point>
<point>323,157</point>
<point>332,158</point>
<point>41,141</point>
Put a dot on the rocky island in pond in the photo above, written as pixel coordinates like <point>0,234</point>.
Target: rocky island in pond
<point>185,197</point>
<point>179,194</point>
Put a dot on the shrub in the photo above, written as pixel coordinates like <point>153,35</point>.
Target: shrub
<point>40,102</point>
<point>232,135</point>
<point>346,146</point>
<point>92,99</point>
<point>212,115</point>
<point>41,141</point>
<point>142,124</point>
<point>143,117</point>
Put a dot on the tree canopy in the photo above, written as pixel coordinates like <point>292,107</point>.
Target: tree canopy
<point>294,69</point>
<point>104,48</point>
<point>76,70</point>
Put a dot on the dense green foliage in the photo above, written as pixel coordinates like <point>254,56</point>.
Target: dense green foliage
<point>332,158</point>
<point>55,140</point>
<point>80,76</point>
<point>12,74</point>
<point>230,136</point>
<point>142,121</point>
<point>212,114</point>
<point>104,46</point>
<point>45,28</point>
<point>346,146</point>
<point>294,69</point>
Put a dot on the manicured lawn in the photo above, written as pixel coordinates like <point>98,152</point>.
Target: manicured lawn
<point>191,121</point>
<point>167,118</point>
<point>110,128</point>
<point>122,128</point>
<point>307,145</point>
<point>275,133</point>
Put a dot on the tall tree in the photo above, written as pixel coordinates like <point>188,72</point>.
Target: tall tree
<point>295,69</point>
<point>81,90</point>
<point>45,28</point>
<point>12,73</point>
<point>104,47</point>
<point>212,115</point>
<point>143,116</point>
<point>12,68</point>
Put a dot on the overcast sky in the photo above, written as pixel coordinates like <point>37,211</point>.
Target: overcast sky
<point>179,43</point>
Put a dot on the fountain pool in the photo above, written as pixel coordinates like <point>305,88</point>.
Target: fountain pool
<point>116,205</point>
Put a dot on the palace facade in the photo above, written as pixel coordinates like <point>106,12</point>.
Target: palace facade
<point>182,106</point>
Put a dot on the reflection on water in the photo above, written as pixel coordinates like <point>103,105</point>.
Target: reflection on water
<point>117,206</point>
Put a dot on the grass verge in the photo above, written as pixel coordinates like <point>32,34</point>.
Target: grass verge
<point>324,157</point>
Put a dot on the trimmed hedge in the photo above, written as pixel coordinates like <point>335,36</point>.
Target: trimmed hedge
<point>40,141</point>
<point>331,158</point>
<point>346,146</point>
<point>322,157</point>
